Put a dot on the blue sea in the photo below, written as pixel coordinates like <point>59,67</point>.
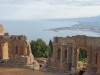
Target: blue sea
<point>36,29</point>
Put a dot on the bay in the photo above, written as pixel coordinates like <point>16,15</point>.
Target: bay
<point>36,29</point>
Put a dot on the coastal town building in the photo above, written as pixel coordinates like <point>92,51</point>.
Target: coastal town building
<point>66,54</point>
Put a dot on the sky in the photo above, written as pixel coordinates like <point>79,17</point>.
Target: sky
<point>47,9</point>
<point>26,17</point>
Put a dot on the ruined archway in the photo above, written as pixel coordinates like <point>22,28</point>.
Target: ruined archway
<point>4,50</point>
<point>17,51</point>
<point>72,44</point>
<point>82,59</point>
<point>59,54</point>
<point>83,55</point>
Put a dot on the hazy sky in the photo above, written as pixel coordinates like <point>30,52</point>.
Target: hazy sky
<point>45,9</point>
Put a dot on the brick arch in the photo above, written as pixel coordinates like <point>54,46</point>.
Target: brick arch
<point>91,44</point>
<point>59,54</point>
<point>80,67</point>
<point>4,50</point>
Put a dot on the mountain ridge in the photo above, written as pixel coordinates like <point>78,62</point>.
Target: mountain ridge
<point>80,19</point>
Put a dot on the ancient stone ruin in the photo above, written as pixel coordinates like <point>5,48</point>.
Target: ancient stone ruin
<point>15,48</point>
<point>66,54</point>
<point>1,30</point>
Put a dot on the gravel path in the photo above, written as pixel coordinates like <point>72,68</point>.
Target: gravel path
<point>19,71</point>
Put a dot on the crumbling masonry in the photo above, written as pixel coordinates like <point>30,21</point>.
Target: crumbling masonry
<point>15,48</point>
<point>66,53</point>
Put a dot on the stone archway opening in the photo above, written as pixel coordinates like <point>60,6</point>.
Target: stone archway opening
<point>83,55</point>
<point>4,51</point>
<point>82,60</point>
<point>59,54</point>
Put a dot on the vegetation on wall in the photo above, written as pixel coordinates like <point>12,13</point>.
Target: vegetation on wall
<point>83,55</point>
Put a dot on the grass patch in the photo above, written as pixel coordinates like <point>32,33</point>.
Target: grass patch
<point>84,60</point>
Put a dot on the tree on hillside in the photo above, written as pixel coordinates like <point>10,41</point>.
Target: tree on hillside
<point>39,48</point>
<point>51,48</point>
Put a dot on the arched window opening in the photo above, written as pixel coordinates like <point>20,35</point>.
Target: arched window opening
<point>16,50</point>
<point>59,54</point>
<point>83,55</point>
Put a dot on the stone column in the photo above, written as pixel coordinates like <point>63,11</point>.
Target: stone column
<point>94,64</point>
<point>67,54</point>
<point>61,55</point>
<point>4,50</point>
<point>24,50</point>
<point>29,52</point>
<point>54,52</point>
<point>77,58</point>
<point>98,60</point>
<point>73,59</point>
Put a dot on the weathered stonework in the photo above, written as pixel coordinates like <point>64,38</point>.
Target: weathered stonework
<point>1,29</point>
<point>66,53</point>
<point>15,48</point>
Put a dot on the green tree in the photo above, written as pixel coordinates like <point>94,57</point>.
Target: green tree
<point>39,48</point>
<point>83,55</point>
<point>51,48</point>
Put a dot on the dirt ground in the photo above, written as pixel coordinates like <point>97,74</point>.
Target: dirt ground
<point>19,71</point>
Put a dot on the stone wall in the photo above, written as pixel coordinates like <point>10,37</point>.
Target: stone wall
<point>15,48</point>
<point>69,54</point>
<point>1,29</point>
<point>4,50</point>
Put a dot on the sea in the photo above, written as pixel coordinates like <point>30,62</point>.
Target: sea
<point>37,29</point>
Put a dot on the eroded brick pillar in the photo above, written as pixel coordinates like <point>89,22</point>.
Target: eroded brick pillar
<point>4,51</point>
<point>29,52</point>
<point>73,58</point>
<point>25,50</point>
<point>94,64</point>
<point>55,52</point>
<point>67,54</point>
<point>98,61</point>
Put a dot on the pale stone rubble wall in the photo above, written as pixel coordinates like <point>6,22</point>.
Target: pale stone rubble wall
<point>72,44</point>
<point>16,48</point>
<point>1,29</point>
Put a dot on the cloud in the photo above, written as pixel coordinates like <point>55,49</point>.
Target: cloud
<point>68,2</point>
<point>44,9</point>
<point>76,2</point>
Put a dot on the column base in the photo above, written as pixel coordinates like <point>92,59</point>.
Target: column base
<point>87,73</point>
<point>73,69</point>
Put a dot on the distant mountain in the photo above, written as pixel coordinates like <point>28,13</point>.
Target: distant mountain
<point>85,24</point>
<point>81,19</point>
